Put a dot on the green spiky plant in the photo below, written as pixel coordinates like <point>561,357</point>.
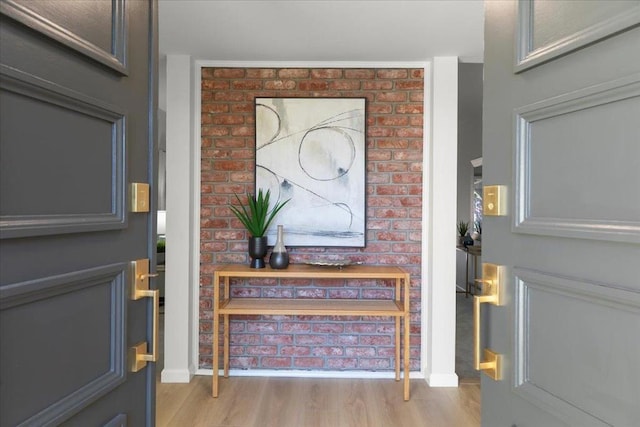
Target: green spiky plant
<point>256,216</point>
<point>463,228</point>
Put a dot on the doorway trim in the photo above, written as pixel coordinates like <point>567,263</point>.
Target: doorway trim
<point>183,213</point>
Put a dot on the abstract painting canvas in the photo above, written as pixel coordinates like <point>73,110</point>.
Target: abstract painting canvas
<point>312,151</point>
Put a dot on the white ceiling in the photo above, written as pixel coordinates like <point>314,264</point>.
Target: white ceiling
<point>322,30</point>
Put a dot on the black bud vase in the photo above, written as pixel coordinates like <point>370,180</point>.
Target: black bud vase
<point>279,258</point>
<point>257,251</point>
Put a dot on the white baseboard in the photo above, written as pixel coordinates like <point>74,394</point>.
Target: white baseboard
<point>175,376</point>
<point>442,380</point>
<point>308,374</point>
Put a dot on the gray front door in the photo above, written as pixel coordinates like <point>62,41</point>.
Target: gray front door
<point>562,131</point>
<point>77,105</point>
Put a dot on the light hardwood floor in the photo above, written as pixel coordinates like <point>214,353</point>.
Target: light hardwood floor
<point>309,402</point>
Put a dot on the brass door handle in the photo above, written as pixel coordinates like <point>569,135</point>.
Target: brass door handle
<point>491,363</point>
<point>139,354</point>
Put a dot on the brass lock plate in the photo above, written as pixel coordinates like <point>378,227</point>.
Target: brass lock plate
<point>492,281</point>
<point>494,200</point>
<point>139,197</point>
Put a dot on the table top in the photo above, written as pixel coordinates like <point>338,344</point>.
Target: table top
<point>472,250</point>
<point>356,271</point>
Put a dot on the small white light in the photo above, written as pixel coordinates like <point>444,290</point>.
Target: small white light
<point>162,222</point>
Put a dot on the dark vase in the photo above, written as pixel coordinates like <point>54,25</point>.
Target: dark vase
<point>279,258</point>
<point>257,251</point>
<point>468,241</point>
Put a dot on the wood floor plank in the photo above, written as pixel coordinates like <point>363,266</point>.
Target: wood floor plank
<point>311,402</point>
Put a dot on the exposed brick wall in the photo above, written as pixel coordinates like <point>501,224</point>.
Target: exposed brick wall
<point>394,212</point>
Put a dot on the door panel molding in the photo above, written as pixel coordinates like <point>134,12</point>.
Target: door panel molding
<point>108,375</point>
<point>115,60</point>
<point>51,94</point>
<point>527,56</point>
<point>119,420</point>
<point>552,112</point>
<point>535,292</point>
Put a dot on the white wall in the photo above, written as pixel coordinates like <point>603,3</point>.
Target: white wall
<point>440,300</point>
<point>179,339</point>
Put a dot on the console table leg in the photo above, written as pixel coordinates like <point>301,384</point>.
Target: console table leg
<point>397,348</point>
<point>406,358</point>
<point>226,346</point>
<point>216,351</point>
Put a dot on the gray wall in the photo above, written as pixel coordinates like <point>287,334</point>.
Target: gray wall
<point>469,148</point>
<point>469,132</point>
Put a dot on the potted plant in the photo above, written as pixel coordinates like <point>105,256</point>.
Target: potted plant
<point>463,229</point>
<point>256,217</point>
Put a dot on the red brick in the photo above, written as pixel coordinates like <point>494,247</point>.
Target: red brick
<point>377,294</point>
<point>341,363</point>
<point>277,339</point>
<point>377,85</point>
<point>230,165</point>
<point>415,84</point>
<point>261,73</point>
<point>344,85</point>
<point>244,339</point>
<point>246,85</point>
<point>295,327</point>
<point>293,73</point>
<point>275,362</point>
<point>361,351</point>
<point>228,96</point>
<point>375,108</point>
<point>388,190</point>
<point>310,339</point>
<point>370,363</point>
<point>326,73</point>
<point>227,119</point>
<point>328,328</point>
<point>409,132</point>
<point>328,351</point>
<point>262,327</point>
<point>214,131</point>
<point>280,84</point>
<point>391,236</point>
<point>359,73</point>
<point>295,351</point>
<point>375,131</point>
<point>242,131</point>
<point>214,85</point>
<point>392,74</point>
<point>214,108</point>
<point>392,121</point>
<point>308,362</point>
<point>343,294</point>
<point>406,178</point>
<point>311,293</point>
<point>409,108</point>
<point>228,73</point>
<point>392,167</point>
<point>407,248</point>
<point>313,85</point>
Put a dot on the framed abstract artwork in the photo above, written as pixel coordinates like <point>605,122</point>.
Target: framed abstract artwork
<point>313,151</point>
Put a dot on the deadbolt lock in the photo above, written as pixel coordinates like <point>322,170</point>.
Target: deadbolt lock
<point>139,197</point>
<point>494,200</point>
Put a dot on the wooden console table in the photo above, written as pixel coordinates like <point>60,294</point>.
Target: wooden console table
<point>225,306</point>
